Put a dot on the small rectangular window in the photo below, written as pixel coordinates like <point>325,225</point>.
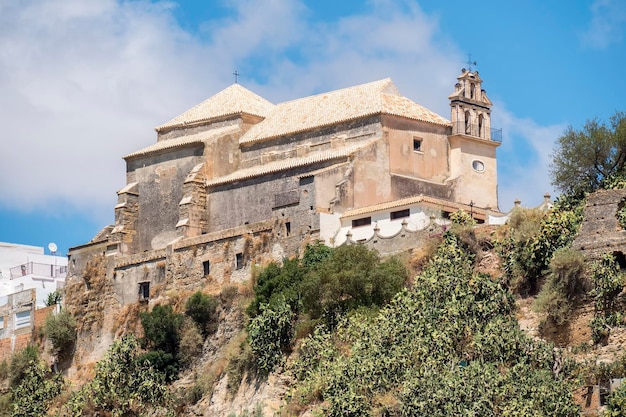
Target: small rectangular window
<point>400,214</point>
<point>362,222</point>
<point>417,145</point>
<point>144,291</point>
<point>239,261</point>
<point>288,228</point>
<point>206,267</point>
<point>1,323</point>
<point>22,319</point>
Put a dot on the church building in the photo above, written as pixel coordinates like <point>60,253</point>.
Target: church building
<point>342,167</point>
<point>238,159</point>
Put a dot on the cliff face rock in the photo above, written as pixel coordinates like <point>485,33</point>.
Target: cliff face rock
<point>91,299</point>
<point>220,376</point>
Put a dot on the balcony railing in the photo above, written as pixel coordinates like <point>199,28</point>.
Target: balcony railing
<point>32,268</point>
<point>460,128</point>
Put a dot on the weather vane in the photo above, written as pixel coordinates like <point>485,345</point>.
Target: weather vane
<point>470,63</point>
<point>236,74</point>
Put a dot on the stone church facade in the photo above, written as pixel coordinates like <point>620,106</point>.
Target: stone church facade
<point>237,178</point>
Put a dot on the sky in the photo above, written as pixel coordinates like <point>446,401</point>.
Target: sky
<point>84,83</point>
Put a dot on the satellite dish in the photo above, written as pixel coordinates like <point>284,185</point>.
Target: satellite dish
<point>53,247</point>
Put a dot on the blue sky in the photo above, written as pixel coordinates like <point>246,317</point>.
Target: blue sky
<point>84,83</point>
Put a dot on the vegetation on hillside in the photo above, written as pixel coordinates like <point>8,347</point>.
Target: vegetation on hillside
<point>450,345</point>
<point>321,288</point>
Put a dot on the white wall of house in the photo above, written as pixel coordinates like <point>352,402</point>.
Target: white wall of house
<point>332,225</point>
<point>24,267</point>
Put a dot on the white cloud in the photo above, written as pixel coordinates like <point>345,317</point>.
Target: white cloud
<point>607,24</point>
<point>84,83</point>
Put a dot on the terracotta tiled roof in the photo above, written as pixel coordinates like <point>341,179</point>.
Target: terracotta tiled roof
<point>233,100</point>
<point>379,97</point>
<point>184,140</point>
<point>289,163</point>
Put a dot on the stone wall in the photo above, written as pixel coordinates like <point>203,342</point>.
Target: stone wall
<point>600,232</point>
<point>285,196</point>
<point>160,180</point>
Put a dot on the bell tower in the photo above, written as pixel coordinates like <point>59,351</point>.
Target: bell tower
<point>473,143</point>
<point>471,108</point>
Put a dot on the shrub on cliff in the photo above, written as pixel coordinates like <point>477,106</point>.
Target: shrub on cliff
<point>201,309</point>
<point>20,362</point>
<point>123,385</point>
<point>60,329</point>
<point>161,328</point>
<point>37,387</point>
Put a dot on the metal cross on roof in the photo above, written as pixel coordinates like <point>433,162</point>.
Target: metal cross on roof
<point>236,74</point>
<point>470,63</point>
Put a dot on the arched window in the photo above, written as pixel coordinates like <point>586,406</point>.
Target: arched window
<point>467,123</point>
<point>480,126</point>
<point>472,90</point>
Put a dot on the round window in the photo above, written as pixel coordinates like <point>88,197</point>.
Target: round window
<point>478,166</point>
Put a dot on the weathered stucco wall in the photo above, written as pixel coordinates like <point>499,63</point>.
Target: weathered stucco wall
<point>430,162</point>
<point>474,185</point>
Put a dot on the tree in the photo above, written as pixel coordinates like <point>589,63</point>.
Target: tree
<point>582,159</point>
<point>54,298</point>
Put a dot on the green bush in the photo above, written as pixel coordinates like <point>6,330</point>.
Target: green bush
<point>201,309</point>
<point>533,238</point>
<point>616,403</point>
<point>60,329</point>
<point>37,387</point>
<point>270,335</point>
<point>563,285</point>
<point>607,282</point>
<point>352,277</point>
<point>5,404</point>
<point>462,218</point>
<point>20,363</point>
<point>123,385</point>
<point>164,362</point>
<point>161,328</point>
<point>4,370</point>
<point>279,282</point>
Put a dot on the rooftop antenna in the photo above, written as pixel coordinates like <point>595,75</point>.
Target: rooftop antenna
<point>470,62</point>
<point>236,74</point>
<point>53,248</point>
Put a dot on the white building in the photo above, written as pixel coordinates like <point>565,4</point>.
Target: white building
<point>24,267</point>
